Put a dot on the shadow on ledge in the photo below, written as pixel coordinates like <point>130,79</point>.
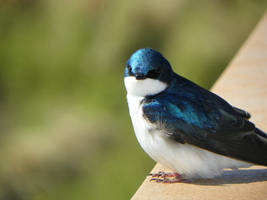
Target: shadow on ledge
<point>235,177</point>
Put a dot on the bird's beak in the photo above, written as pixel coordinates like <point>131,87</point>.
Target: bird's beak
<point>140,76</point>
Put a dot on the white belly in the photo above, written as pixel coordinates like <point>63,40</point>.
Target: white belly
<point>186,159</point>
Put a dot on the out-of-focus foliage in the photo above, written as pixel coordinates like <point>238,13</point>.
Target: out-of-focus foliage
<point>64,124</point>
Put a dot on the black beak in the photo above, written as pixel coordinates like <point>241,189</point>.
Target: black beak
<point>140,76</point>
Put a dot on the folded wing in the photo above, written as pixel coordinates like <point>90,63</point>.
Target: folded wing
<point>208,123</point>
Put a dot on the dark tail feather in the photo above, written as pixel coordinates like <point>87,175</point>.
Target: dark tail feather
<point>261,133</point>
<point>258,145</point>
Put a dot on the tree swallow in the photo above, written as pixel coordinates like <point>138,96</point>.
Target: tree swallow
<point>185,127</point>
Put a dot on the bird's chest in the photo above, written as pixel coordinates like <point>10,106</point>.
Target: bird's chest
<point>147,135</point>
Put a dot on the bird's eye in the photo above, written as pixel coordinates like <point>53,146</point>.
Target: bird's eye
<point>130,70</point>
<point>153,73</point>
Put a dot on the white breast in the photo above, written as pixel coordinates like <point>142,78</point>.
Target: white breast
<point>188,160</point>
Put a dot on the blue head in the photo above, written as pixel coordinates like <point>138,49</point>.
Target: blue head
<point>147,72</point>
<point>148,63</point>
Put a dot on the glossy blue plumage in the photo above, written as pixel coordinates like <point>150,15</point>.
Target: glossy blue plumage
<point>153,61</point>
<point>187,113</point>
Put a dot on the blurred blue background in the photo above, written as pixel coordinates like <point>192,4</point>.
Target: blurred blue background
<point>64,124</point>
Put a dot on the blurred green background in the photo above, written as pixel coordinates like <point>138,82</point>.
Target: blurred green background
<point>64,124</point>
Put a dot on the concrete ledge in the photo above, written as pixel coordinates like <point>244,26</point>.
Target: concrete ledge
<point>244,85</point>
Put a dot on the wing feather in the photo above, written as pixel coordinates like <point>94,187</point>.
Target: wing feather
<point>211,124</point>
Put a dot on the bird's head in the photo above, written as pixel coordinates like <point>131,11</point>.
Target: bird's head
<point>147,72</point>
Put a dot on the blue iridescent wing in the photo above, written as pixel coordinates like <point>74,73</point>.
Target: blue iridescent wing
<point>209,123</point>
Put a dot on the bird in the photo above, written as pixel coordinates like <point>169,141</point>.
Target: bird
<point>190,130</point>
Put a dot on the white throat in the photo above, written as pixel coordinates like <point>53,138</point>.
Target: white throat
<point>142,88</point>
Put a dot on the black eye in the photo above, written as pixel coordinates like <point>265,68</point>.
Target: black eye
<point>130,70</point>
<point>153,73</point>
